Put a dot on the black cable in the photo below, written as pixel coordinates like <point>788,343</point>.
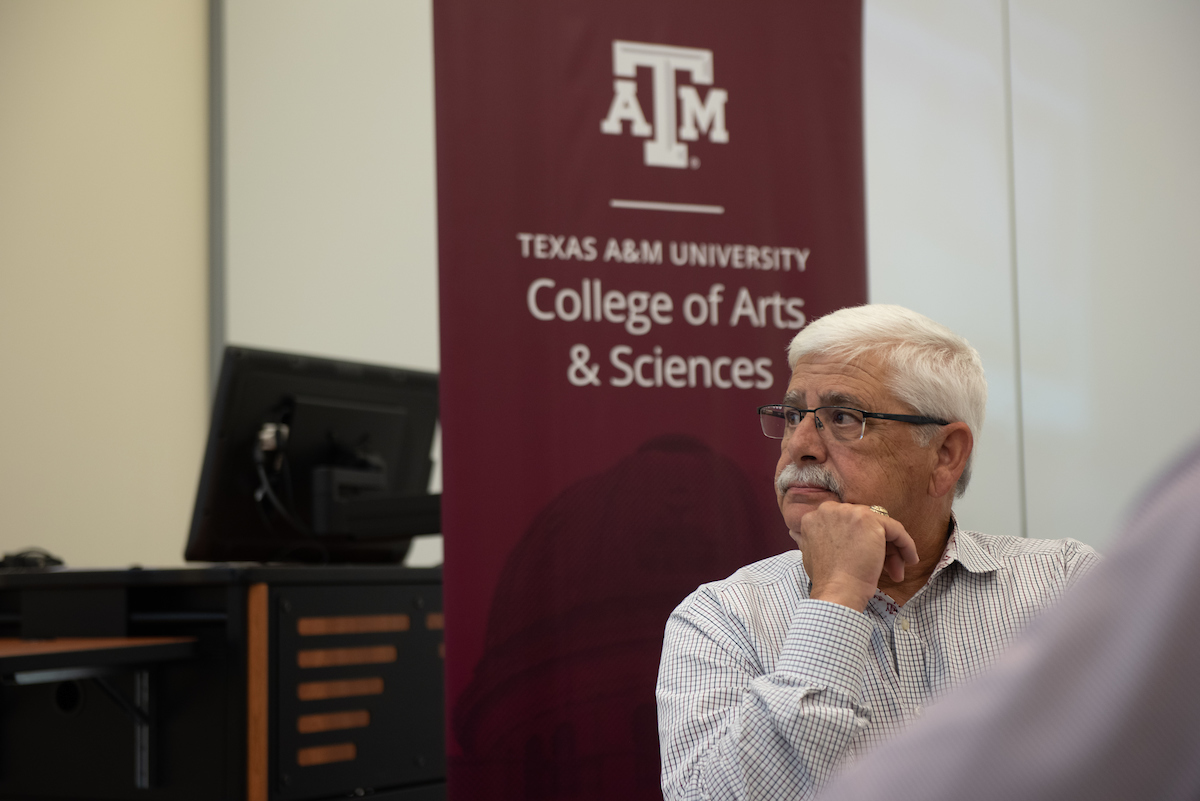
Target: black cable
<point>265,490</point>
<point>262,514</point>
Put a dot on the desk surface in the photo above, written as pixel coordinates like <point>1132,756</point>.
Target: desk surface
<point>18,655</point>
<point>222,573</point>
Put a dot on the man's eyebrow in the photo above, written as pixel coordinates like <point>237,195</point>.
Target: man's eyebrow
<point>840,399</point>
<point>794,399</point>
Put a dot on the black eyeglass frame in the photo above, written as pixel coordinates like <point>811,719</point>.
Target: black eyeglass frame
<point>915,419</point>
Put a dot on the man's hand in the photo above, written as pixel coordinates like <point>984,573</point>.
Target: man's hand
<point>846,548</point>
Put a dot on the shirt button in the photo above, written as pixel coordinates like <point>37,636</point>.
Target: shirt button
<point>918,711</point>
<point>904,623</point>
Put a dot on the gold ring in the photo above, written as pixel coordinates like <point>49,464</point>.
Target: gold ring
<point>879,510</point>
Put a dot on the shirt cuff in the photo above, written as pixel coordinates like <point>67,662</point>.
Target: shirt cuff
<point>827,645</point>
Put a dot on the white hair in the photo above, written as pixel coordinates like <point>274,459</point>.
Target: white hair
<point>930,368</point>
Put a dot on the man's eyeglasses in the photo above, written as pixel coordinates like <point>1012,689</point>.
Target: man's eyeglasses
<point>845,424</point>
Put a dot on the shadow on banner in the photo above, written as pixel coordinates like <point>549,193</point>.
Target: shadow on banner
<point>562,704</point>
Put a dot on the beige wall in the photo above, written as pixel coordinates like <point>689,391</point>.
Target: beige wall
<point>103,276</point>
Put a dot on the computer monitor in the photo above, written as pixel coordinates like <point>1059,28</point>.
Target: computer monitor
<point>315,460</point>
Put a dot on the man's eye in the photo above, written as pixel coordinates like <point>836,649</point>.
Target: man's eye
<point>792,416</point>
<point>844,418</point>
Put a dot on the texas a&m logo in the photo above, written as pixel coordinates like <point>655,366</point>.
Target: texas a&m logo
<point>695,116</point>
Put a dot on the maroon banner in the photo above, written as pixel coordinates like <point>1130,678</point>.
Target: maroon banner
<point>639,205</point>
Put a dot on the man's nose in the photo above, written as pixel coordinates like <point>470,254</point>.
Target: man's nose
<point>806,440</point>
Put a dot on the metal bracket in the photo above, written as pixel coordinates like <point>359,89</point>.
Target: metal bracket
<point>140,710</point>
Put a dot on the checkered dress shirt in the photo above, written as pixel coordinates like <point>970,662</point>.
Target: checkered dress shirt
<point>763,692</point>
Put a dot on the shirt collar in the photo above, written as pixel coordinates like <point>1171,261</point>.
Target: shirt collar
<point>964,547</point>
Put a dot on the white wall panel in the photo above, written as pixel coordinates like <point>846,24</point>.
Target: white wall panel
<point>1108,194</point>
<point>938,205</point>
<point>330,220</point>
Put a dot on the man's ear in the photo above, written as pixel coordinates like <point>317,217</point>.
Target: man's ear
<point>953,445</point>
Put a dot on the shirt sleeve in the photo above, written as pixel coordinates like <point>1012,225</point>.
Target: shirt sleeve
<point>1078,560</point>
<point>732,730</point>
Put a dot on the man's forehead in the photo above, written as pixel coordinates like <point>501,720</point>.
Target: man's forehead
<point>798,397</point>
<point>837,382</point>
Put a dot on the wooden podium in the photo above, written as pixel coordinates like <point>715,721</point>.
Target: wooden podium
<point>226,682</point>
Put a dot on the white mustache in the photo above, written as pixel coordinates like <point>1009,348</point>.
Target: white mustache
<point>811,474</point>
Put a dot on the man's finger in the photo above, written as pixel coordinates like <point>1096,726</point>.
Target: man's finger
<point>899,540</point>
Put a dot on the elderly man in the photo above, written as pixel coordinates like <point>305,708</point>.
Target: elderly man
<point>773,678</point>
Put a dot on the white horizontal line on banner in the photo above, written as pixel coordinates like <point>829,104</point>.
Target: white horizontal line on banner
<point>654,205</point>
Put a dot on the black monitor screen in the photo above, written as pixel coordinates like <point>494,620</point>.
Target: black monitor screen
<point>315,460</point>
